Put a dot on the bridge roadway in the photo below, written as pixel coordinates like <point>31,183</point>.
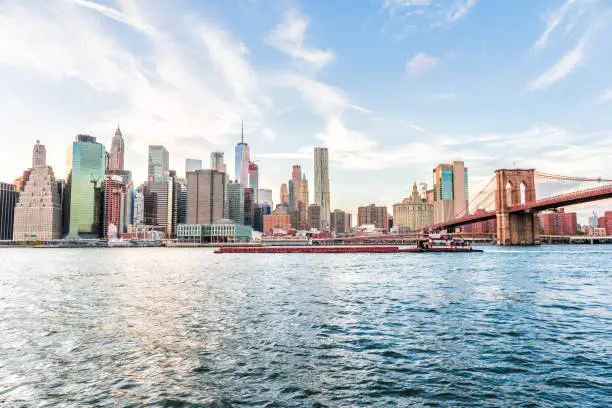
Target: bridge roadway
<point>580,197</point>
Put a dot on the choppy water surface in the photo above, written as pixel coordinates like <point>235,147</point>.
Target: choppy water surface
<point>185,327</point>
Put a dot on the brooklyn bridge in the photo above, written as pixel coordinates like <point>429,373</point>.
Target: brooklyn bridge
<point>514,197</point>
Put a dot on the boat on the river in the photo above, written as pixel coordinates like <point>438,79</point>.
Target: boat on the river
<point>336,249</point>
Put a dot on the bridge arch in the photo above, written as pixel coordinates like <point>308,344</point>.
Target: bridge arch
<point>523,189</point>
<point>509,193</point>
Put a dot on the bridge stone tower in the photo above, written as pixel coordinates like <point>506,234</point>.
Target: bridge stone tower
<point>513,188</point>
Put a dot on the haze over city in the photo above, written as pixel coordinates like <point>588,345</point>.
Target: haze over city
<point>391,87</point>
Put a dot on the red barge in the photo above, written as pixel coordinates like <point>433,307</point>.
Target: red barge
<point>336,249</point>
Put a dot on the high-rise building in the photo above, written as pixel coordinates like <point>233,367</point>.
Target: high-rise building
<point>292,201</point>
<point>276,222</point>
<point>413,212</point>
<point>158,205</point>
<point>86,189</point>
<point>321,175</point>
<point>38,214</point>
<point>217,162</point>
<point>139,206</point>
<point>9,197</point>
<point>206,196</point>
<point>243,157</point>
<point>264,196</point>
<point>423,191</point>
<point>192,165</point>
<point>450,191</point>
<point>182,202</point>
<point>304,190</point>
<point>560,223</point>
<point>249,206</point>
<point>254,180</point>
<point>284,194</point>
<point>314,216</point>
<point>339,224</point>
<point>117,154</point>
<point>302,210</point>
<point>261,210</point>
<point>114,219</point>
<point>235,193</point>
<point>593,220</point>
<point>296,180</point>
<point>605,223</point>
<point>372,215</point>
<point>159,163</point>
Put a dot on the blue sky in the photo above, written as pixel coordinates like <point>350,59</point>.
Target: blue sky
<point>392,87</point>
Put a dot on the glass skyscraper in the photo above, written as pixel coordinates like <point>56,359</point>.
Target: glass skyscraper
<point>88,171</point>
<point>321,176</point>
<point>243,156</point>
<point>450,191</point>
<point>192,165</point>
<point>159,163</point>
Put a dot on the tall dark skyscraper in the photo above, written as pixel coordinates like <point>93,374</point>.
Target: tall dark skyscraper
<point>117,154</point>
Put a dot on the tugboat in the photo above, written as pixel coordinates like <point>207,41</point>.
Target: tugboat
<point>438,242</point>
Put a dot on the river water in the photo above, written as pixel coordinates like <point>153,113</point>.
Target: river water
<point>176,327</point>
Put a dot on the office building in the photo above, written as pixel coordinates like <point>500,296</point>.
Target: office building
<point>38,213</point>
<point>182,210</point>
<point>413,212</point>
<point>593,220</point>
<point>314,216</point>
<point>159,206</point>
<point>254,180</point>
<point>450,191</point>
<point>284,194</point>
<point>243,157</point>
<point>138,217</point>
<point>221,231</point>
<point>86,187</point>
<point>276,222</point>
<point>159,163</point>
<point>260,212</point>
<point>321,176</point>
<point>304,190</point>
<point>115,211</point>
<point>291,196</point>
<point>249,206</point>
<point>605,223</point>
<point>560,223</point>
<point>423,191</point>
<point>235,193</point>
<point>206,196</point>
<point>296,182</point>
<point>340,222</point>
<point>192,165</point>
<point>117,154</point>
<point>217,162</point>
<point>302,210</point>
<point>9,197</point>
<point>372,215</point>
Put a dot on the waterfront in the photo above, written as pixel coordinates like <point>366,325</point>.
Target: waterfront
<point>114,327</point>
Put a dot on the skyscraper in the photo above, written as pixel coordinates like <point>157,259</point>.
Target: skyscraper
<point>450,191</point>
<point>159,163</point>
<point>217,162</point>
<point>205,196</point>
<point>321,175</point>
<point>314,216</point>
<point>253,179</point>
<point>38,214</point>
<point>117,154</point>
<point>291,201</point>
<point>235,194</point>
<point>264,196</point>
<point>9,197</point>
<point>249,206</point>
<point>192,165</point>
<point>284,194</point>
<point>304,190</point>
<point>340,222</point>
<point>243,156</point>
<point>372,215</point>
<point>158,205</point>
<point>296,179</point>
<point>87,182</point>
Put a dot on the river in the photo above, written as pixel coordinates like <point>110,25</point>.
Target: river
<point>185,327</point>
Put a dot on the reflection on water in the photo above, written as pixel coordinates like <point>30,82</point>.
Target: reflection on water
<point>185,327</point>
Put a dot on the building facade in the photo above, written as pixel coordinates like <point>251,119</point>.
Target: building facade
<point>217,162</point>
<point>605,223</point>
<point>159,205</point>
<point>304,190</point>
<point>450,191</point>
<point>284,194</point>
<point>242,159</point>
<point>413,212</point>
<point>340,222</point>
<point>159,163</point>
<point>117,154</point>
<point>321,176</point>
<point>264,196</point>
<point>235,193</point>
<point>192,165</point>
<point>314,216</point>
<point>38,214</point>
<point>560,223</point>
<point>254,180</point>
<point>372,215</point>
<point>249,206</point>
<point>220,231</point>
<point>86,189</point>
<point>296,181</point>
<point>276,221</point>
<point>9,197</point>
<point>138,218</point>
<point>206,196</point>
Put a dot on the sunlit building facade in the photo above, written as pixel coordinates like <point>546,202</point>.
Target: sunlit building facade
<point>321,181</point>
<point>159,163</point>
<point>450,191</point>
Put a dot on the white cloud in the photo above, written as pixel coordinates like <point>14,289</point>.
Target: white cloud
<point>421,63</point>
<point>116,15</point>
<point>360,109</point>
<point>552,22</point>
<point>570,61</point>
<point>412,125</point>
<point>455,12</point>
<point>605,97</point>
<point>289,37</point>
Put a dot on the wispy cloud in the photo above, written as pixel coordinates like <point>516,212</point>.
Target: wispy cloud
<point>116,15</point>
<point>421,63</point>
<point>360,109</point>
<point>289,37</point>
<point>552,21</point>
<point>455,12</point>
<point>412,125</point>
<point>570,62</point>
<point>605,97</point>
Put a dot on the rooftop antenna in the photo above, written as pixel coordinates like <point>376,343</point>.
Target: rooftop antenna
<point>242,131</point>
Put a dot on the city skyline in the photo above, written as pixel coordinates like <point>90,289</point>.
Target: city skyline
<point>325,92</point>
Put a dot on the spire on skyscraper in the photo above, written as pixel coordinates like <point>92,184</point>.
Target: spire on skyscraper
<point>118,131</point>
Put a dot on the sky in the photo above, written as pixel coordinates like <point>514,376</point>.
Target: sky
<point>391,87</point>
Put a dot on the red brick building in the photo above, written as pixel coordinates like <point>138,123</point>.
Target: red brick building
<point>606,222</point>
<point>560,223</point>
